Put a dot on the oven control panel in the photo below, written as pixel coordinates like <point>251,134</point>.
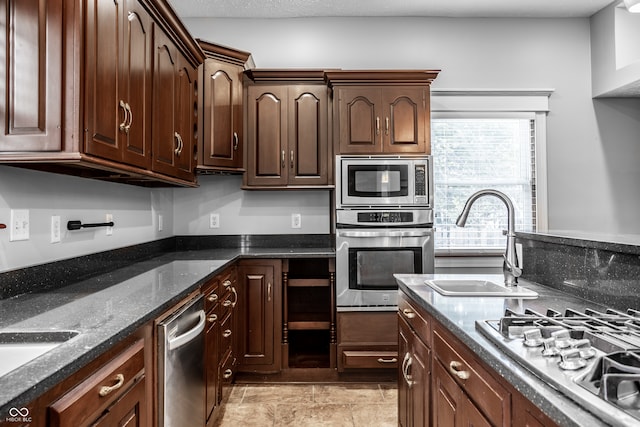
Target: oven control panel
<point>385,217</point>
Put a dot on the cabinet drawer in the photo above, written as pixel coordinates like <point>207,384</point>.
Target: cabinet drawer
<point>85,401</point>
<point>211,296</point>
<point>369,359</point>
<point>368,327</point>
<point>418,320</point>
<point>490,397</point>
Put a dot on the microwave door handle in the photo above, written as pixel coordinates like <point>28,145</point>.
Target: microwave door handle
<point>387,233</point>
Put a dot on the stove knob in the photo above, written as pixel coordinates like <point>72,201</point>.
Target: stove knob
<point>584,346</point>
<point>533,337</point>
<point>550,348</point>
<point>562,337</point>
<point>570,360</point>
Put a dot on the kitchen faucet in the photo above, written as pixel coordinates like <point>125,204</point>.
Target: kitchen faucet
<point>511,266</point>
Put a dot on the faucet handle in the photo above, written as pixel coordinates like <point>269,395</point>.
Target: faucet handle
<point>515,270</point>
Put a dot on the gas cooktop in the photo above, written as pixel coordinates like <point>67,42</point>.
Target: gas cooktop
<point>591,357</point>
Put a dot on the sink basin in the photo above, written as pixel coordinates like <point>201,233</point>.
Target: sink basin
<point>478,288</point>
<point>18,348</point>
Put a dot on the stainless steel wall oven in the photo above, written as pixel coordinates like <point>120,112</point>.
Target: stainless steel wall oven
<point>384,221</point>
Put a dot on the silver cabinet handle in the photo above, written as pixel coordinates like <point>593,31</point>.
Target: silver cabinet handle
<point>283,159</point>
<point>179,144</point>
<point>454,369</point>
<point>126,116</point>
<point>235,294</point>
<point>128,125</point>
<point>106,390</point>
<point>409,314</point>
<point>292,159</point>
<point>236,141</point>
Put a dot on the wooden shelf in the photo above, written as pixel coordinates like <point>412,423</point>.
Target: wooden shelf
<point>308,321</point>
<point>308,283</point>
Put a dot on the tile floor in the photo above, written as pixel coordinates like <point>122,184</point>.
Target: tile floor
<point>311,405</point>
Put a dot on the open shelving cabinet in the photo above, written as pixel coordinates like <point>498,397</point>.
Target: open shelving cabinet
<point>309,320</point>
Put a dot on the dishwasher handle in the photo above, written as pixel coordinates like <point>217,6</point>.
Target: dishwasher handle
<point>190,335</point>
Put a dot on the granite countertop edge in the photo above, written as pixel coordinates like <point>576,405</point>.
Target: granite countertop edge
<point>19,387</point>
<point>558,407</point>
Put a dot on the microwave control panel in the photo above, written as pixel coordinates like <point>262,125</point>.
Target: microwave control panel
<point>420,174</point>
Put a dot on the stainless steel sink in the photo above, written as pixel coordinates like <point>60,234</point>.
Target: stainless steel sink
<point>479,288</point>
<point>18,348</point>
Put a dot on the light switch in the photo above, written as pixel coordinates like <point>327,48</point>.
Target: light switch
<point>19,225</point>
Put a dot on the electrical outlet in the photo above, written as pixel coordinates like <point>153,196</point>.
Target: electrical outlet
<point>296,220</point>
<point>214,220</point>
<point>55,229</point>
<point>19,225</point>
<point>160,223</point>
<point>109,218</point>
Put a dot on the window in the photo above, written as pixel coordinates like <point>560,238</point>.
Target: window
<point>497,148</point>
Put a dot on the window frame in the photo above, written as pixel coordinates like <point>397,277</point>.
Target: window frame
<point>528,104</point>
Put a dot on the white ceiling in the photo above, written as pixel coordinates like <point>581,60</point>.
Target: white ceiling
<point>450,8</point>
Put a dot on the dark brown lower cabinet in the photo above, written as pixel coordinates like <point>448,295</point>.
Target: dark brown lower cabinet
<point>367,340</point>
<point>463,390</point>
<point>414,378</point>
<point>260,315</point>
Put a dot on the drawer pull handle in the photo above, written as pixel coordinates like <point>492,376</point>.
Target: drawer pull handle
<point>226,333</point>
<point>227,303</point>
<point>212,318</point>
<point>106,390</point>
<point>212,298</point>
<point>226,283</point>
<point>227,374</point>
<point>454,369</point>
<point>392,360</point>
<point>409,314</point>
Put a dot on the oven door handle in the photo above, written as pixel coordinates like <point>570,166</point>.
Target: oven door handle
<point>386,233</point>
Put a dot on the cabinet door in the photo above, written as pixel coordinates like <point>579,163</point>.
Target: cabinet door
<point>308,142</point>
<point>447,397</point>
<point>405,120</point>
<point>414,379</point>
<point>105,113</point>
<point>267,135</point>
<point>260,319</point>
<point>165,142</point>
<point>31,76</point>
<point>222,134</point>
<point>136,85</point>
<point>359,120</point>
<point>186,113</point>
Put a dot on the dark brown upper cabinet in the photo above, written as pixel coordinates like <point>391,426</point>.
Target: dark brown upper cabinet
<point>175,87</point>
<point>287,122</point>
<point>79,90</point>
<point>380,112</point>
<point>30,79</point>
<point>222,143</point>
<point>117,81</point>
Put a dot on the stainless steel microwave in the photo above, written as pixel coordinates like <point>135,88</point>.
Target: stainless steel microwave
<point>384,181</point>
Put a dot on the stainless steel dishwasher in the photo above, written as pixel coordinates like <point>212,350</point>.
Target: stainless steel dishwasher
<point>180,367</point>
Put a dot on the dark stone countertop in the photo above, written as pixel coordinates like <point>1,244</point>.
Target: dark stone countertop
<point>108,307</point>
<point>459,314</point>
